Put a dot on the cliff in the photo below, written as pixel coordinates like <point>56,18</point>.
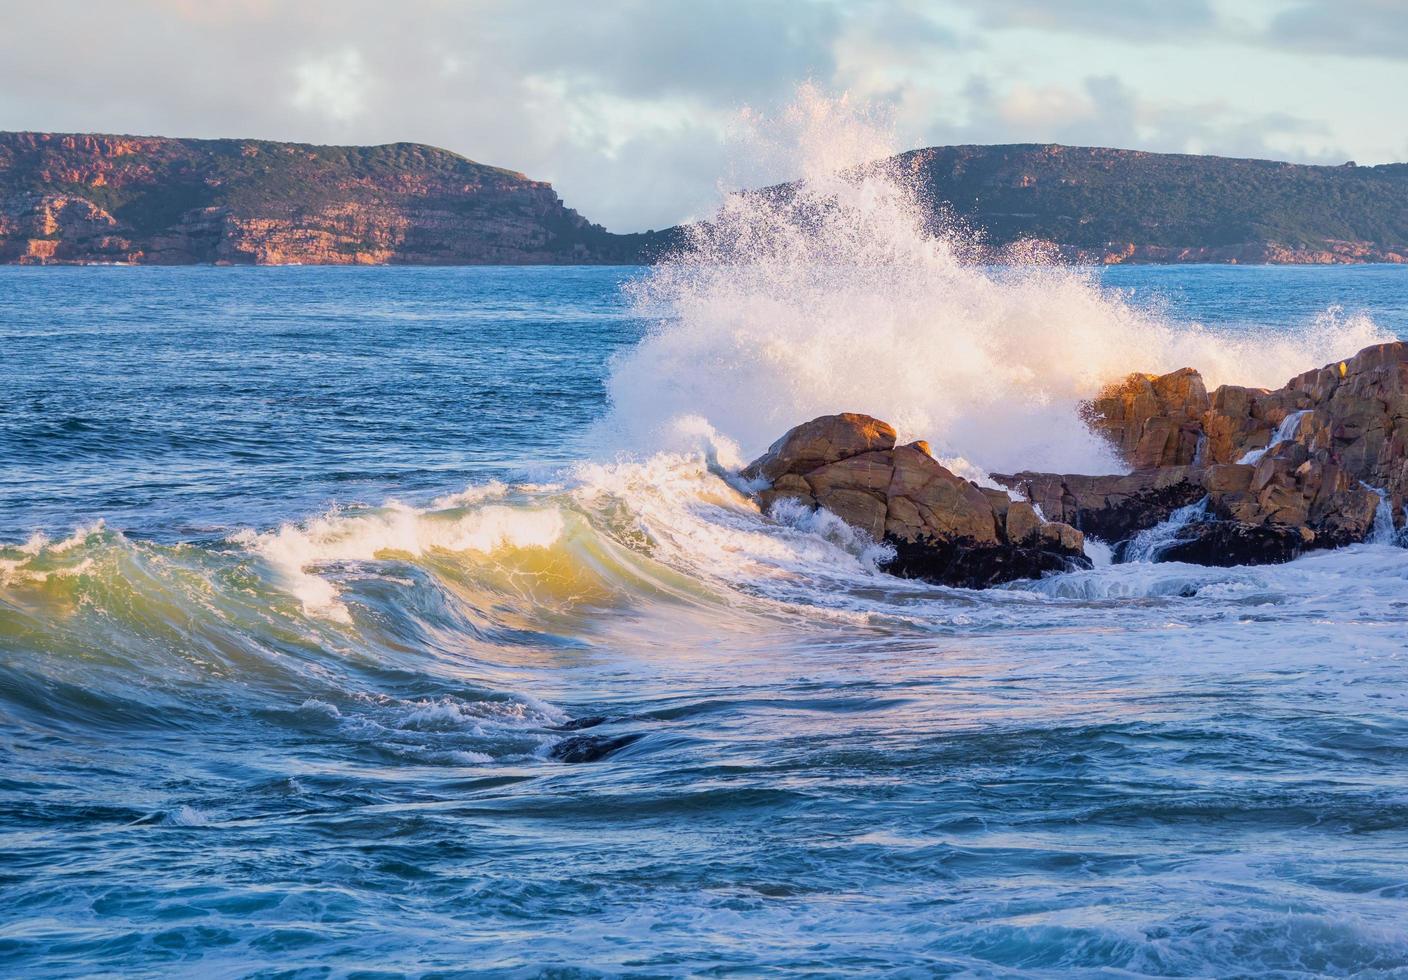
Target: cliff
<point>90,198</point>
<point>1105,205</point>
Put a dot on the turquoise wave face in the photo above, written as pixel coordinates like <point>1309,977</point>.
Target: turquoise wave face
<point>335,634</point>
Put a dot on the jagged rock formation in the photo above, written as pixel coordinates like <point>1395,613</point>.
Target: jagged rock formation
<point>1282,471</point>
<point>85,198</point>
<point>1256,476</point>
<point>943,528</point>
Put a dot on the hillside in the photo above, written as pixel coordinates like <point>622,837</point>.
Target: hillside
<point>90,198</point>
<point>1123,205</point>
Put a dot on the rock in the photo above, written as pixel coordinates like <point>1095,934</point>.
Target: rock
<point>1111,508</point>
<point>943,528</point>
<point>1153,420</point>
<point>1350,416</point>
<point>590,748</point>
<point>1228,543</point>
<point>1333,434</point>
<point>1285,490</point>
<point>827,439</point>
<point>1282,472</point>
<point>1022,523</point>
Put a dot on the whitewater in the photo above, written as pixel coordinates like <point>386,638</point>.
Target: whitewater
<point>314,583</point>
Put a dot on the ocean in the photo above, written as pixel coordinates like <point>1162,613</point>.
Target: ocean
<point>310,578</point>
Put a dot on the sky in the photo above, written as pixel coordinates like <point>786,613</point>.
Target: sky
<point>631,108</point>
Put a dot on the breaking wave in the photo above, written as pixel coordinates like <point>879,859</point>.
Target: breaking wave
<point>845,292</point>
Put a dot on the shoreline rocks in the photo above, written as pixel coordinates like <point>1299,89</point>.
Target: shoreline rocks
<point>942,528</point>
<point>1283,472</point>
<point>1257,476</point>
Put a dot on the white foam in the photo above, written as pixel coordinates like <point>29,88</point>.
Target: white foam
<point>295,551</point>
<point>186,816</point>
<point>41,558</point>
<point>1099,553</point>
<point>1383,531</point>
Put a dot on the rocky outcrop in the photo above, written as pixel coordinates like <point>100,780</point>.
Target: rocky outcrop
<point>1238,476</point>
<point>86,198</point>
<point>941,527</point>
<point>1281,471</point>
<point>1293,502</point>
<point>1153,420</point>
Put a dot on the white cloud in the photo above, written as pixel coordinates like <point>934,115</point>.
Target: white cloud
<point>332,85</point>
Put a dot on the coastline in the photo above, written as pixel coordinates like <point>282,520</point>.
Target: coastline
<point>1188,257</point>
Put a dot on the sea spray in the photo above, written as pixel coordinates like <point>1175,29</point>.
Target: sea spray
<point>846,292</point>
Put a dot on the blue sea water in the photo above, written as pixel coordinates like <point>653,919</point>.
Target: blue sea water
<point>308,575</point>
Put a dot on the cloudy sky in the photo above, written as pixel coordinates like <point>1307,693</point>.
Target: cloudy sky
<point>627,106</point>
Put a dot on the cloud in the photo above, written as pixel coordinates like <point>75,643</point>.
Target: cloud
<point>1348,28</point>
<point>1353,28</point>
<point>1134,20</point>
<point>333,85</point>
<point>1104,111</point>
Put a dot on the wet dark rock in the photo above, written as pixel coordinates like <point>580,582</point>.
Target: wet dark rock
<point>590,748</point>
<point>577,724</point>
<point>1111,508</point>
<point>971,566</point>
<point>1228,543</point>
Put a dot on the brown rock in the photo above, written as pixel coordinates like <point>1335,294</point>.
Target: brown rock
<point>823,440</point>
<point>941,526</point>
<point>1152,420</point>
<point>1022,523</point>
<point>1352,423</point>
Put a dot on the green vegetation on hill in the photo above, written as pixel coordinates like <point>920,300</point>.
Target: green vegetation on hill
<point>188,200</point>
<point>1094,197</point>
<point>81,198</point>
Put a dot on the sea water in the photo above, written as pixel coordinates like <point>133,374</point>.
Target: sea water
<point>312,580</point>
<point>306,571</point>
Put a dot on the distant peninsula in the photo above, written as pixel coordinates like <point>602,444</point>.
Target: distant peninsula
<point>85,198</point>
<point>1111,206</point>
<point>82,198</point>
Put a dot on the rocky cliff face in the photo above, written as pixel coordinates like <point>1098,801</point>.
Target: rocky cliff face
<point>85,198</point>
